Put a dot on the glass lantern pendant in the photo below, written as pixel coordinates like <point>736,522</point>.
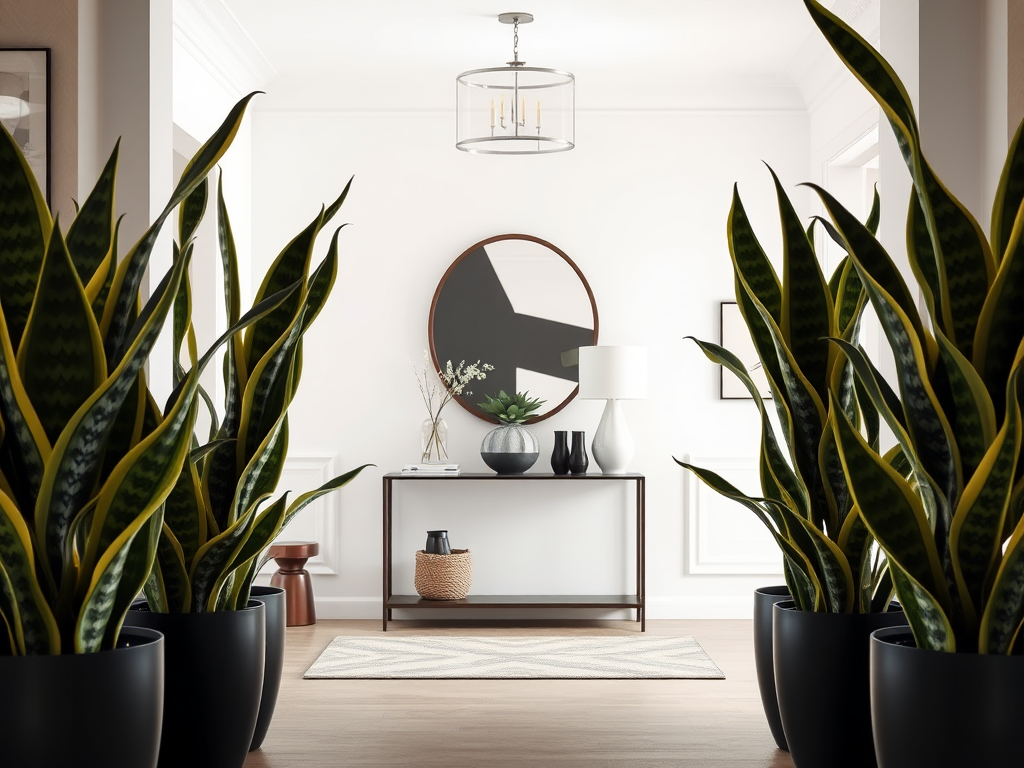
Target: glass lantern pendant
<point>516,109</point>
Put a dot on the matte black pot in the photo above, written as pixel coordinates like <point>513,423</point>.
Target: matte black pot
<point>214,673</point>
<point>764,600</point>
<point>930,708</point>
<point>274,598</point>
<point>821,675</point>
<point>88,710</point>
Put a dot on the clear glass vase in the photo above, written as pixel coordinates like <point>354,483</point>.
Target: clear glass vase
<point>434,441</point>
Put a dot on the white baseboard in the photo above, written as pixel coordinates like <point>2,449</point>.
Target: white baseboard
<point>724,607</point>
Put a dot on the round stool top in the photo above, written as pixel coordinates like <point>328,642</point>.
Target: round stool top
<point>295,549</point>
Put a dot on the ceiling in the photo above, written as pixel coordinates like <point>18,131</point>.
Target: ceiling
<point>403,55</point>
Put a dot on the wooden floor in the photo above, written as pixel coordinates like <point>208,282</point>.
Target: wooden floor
<point>536,723</point>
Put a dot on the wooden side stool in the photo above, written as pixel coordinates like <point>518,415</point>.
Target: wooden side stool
<point>292,576</point>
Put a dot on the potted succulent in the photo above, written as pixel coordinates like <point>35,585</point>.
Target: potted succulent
<point>511,448</point>
<point>220,516</point>
<point>952,529</point>
<point>86,466</point>
<point>811,652</point>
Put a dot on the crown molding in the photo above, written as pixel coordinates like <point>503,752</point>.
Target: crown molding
<point>211,34</point>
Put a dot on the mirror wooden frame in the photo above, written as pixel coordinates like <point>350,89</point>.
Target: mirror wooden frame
<point>470,403</point>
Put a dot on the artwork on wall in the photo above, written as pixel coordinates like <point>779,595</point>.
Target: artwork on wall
<point>25,106</point>
<point>736,338</point>
<point>520,304</point>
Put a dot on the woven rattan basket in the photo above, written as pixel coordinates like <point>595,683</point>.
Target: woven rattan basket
<point>444,577</point>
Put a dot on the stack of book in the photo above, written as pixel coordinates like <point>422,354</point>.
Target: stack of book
<point>430,469</point>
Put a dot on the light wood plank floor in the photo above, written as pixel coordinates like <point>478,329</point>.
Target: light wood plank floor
<point>518,723</point>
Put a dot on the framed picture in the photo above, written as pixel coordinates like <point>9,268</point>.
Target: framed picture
<point>736,338</point>
<point>25,106</point>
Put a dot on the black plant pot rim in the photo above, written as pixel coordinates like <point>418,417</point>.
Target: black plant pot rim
<point>774,590</point>
<point>143,607</point>
<point>790,607</point>
<point>902,637</point>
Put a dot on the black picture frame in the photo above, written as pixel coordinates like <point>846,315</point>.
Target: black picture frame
<point>734,336</point>
<point>25,78</point>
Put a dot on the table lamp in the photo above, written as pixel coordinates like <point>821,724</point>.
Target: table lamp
<point>613,374</point>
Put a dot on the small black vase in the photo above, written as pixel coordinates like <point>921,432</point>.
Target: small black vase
<point>578,459</point>
<point>560,455</point>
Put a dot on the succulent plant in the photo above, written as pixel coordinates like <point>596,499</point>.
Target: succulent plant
<point>511,409</point>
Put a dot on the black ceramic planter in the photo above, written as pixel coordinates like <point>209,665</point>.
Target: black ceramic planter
<point>821,675</point>
<point>214,674</point>
<point>930,708</point>
<point>274,599</point>
<point>89,710</point>
<point>765,599</point>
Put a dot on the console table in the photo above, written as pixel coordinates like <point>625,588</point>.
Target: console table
<point>500,602</point>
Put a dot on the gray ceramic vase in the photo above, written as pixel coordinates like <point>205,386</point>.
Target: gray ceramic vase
<point>510,449</point>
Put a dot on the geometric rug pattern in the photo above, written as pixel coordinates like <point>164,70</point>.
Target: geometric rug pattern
<point>581,657</point>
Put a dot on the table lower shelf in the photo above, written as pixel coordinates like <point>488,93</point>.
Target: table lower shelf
<point>519,601</point>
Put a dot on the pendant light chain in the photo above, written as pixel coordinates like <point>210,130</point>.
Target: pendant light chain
<point>515,39</point>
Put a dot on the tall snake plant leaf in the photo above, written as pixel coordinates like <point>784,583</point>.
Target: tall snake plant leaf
<point>185,513</point>
<point>220,473</point>
<point>976,536</point>
<point>927,425</point>
<point>304,500</point>
<point>806,303</point>
<point>1001,325</point>
<point>774,467</point>
<point>290,266</point>
<point>73,469</point>
<point>129,273</point>
<point>970,410</point>
<point>25,226</point>
<point>963,261</point>
<point>25,448</point>
<point>61,355</point>
<point>855,542</point>
<point>99,287</point>
<point>893,513</point>
<point>836,574</point>
<point>35,627</point>
<point>168,590</point>
<point>101,599</point>
<point>91,235</point>
<point>1004,612</point>
<point>263,471</point>
<point>209,569</point>
<point>181,323</point>
<point>244,564</point>
<point>1009,196</point>
<point>137,566</point>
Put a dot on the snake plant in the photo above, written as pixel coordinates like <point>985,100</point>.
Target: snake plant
<point>87,461</point>
<point>829,559</point>
<point>952,528</point>
<point>219,517</point>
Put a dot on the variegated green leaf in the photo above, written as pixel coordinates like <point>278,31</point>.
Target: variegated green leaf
<point>185,513</point>
<point>924,265</point>
<point>836,575</point>
<point>25,225</point>
<point>891,510</point>
<point>976,534</point>
<point>330,486</point>
<point>101,290</point>
<point>850,300</point>
<point>134,575</point>
<point>74,467</point>
<point>36,630</point>
<point>1004,610</point>
<point>192,210</point>
<point>61,355</point>
<point>91,235</point>
<point>972,416</point>
<point>129,274</point>
<point>806,304</point>
<point>875,214</point>
<point>1009,196</point>
<point>925,615</point>
<point>171,591</point>
<point>855,543</point>
<point>211,562</point>
<point>750,261</point>
<point>101,597</point>
<point>264,530</point>
<point>1001,325</point>
<point>262,472</point>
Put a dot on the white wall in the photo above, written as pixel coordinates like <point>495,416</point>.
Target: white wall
<point>641,206</point>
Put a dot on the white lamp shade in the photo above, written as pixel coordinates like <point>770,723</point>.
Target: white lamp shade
<point>618,373</point>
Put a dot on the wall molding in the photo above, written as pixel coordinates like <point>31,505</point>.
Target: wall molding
<point>710,548</point>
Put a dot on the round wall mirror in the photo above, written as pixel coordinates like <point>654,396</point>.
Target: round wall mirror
<point>520,304</point>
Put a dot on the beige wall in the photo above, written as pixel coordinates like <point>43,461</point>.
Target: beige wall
<point>52,24</point>
<point>1015,64</point>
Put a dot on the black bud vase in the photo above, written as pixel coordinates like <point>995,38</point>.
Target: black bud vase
<point>560,455</point>
<point>578,459</point>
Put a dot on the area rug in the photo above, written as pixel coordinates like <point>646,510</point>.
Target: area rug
<point>581,657</point>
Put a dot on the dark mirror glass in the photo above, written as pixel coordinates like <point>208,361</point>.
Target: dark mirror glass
<point>520,304</point>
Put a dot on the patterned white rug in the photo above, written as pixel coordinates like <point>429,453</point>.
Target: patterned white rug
<point>390,657</point>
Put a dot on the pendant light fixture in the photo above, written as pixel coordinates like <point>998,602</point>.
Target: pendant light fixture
<point>515,109</point>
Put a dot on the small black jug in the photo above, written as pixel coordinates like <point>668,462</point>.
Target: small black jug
<point>437,543</point>
<point>560,455</point>
<point>578,459</point>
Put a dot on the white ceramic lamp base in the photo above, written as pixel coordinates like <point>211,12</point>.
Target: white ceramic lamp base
<point>613,445</point>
